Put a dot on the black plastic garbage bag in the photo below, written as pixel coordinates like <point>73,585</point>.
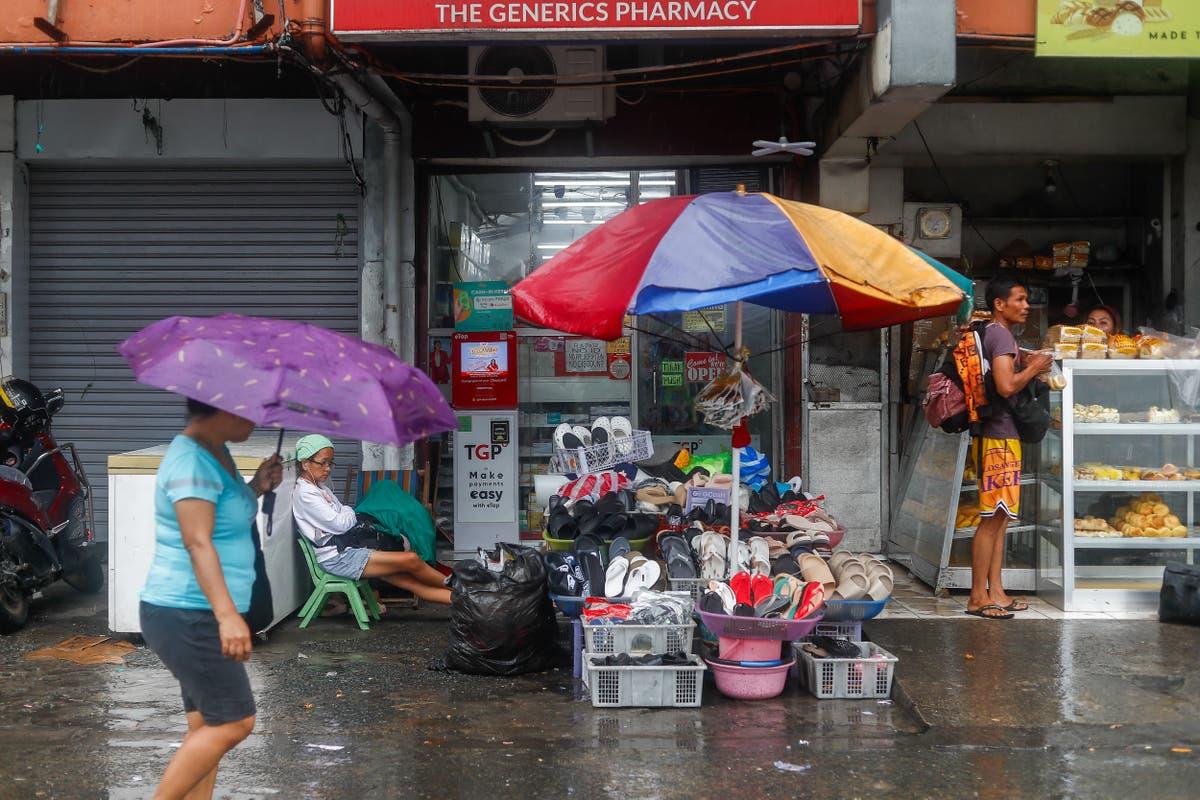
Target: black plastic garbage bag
<point>502,623</point>
<point>1179,599</point>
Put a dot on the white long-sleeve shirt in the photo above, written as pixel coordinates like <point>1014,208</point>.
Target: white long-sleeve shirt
<point>319,515</point>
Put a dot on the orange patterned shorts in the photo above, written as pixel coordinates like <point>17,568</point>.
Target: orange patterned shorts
<point>1000,477</point>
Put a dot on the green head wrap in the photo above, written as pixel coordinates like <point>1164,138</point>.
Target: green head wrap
<point>310,445</point>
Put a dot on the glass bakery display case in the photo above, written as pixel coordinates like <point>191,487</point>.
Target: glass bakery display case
<point>934,522</point>
<point>1128,483</point>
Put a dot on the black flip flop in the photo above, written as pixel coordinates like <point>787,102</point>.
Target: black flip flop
<point>989,607</point>
<point>1016,605</point>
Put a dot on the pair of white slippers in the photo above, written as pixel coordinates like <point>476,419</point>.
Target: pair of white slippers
<point>631,573</point>
<point>616,434</point>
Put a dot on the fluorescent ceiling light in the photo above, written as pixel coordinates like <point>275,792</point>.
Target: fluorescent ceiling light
<point>553,246</point>
<point>572,222</point>
<point>579,176</point>
<point>582,204</point>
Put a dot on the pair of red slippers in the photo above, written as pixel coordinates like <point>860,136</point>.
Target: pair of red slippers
<point>751,589</point>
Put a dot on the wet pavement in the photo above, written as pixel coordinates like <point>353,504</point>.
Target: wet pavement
<point>982,709</point>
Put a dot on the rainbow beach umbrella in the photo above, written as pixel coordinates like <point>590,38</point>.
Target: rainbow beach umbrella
<point>689,252</point>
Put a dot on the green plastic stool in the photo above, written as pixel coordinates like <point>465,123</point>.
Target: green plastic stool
<point>325,584</point>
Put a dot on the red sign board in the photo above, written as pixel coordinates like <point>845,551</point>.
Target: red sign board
<point>703,367</point>
<point>485,370</point>
<point>387,19</point>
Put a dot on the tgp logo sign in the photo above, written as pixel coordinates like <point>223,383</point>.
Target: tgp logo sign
<point>483,452</point>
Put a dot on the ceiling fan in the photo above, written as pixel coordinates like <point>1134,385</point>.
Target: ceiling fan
<point>766,147</point>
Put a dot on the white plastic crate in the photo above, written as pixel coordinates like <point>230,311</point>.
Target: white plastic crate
<point>646,687</point>
<point>838,630</point>
<point>866,677</point>
<point>638,639</point>
<point>599,457</point>
<point>693,586</point>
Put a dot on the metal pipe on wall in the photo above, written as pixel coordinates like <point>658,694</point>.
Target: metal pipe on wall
<point>399,226</point>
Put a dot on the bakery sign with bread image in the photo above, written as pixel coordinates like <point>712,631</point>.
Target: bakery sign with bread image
<point>1114,28</point>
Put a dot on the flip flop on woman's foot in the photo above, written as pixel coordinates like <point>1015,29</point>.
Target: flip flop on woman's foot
<point>1016,605</point>
<point>981,612</point>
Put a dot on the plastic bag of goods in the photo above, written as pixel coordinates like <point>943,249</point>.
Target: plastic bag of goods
<point>501,623</point>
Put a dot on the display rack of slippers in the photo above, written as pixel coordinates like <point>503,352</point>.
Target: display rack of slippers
<point>641,526</point>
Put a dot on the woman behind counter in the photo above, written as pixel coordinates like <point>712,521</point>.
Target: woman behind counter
<point>199,587</point>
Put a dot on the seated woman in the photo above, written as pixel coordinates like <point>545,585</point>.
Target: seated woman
<point>320,518</point>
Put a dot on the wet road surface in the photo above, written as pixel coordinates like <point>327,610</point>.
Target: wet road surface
<point>982,709</point>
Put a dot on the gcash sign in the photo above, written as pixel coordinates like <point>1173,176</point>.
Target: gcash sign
<point>496,19</point>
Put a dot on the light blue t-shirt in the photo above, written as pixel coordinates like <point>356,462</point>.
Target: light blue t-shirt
<point>190,471</point>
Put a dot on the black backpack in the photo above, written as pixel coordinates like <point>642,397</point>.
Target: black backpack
<point>1030,407</point>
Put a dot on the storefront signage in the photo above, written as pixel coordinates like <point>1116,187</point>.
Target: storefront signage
<point>699,444</point>
<point>485,467</point>
<point>1129,28</point>
<point>620,366</point>
<point>670,367</point>
<point>485,370</point>
<point>491,19</point>
<point>586,357</point>
<point>671,381</point>
<point>706,320</point>
<point>482,306</point>
<point>703,367</point>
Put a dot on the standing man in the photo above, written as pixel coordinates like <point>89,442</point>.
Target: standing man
<point>998,449</point>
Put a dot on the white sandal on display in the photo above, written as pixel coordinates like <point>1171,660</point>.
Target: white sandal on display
<point>622,435</point>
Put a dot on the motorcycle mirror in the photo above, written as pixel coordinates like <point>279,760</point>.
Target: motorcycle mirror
<point>55,401</point>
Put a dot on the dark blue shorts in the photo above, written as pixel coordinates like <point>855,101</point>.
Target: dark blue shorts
<point>189,643</point>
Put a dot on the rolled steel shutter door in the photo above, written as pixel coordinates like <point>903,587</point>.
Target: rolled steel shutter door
<point>113,249</point>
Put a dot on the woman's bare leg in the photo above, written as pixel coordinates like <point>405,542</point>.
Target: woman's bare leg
<point>204,789</point>
<point>196,760</point>
<point>428,593</point>
<point>381,564</point>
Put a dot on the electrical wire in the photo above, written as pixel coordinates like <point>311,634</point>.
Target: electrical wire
<point>953,195</point>
<point>598,78</point>
<point>526,142</point>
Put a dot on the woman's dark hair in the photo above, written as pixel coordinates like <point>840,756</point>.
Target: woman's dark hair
<point>999,288</point>
<point>1112,312</point>
<point>198,410</point>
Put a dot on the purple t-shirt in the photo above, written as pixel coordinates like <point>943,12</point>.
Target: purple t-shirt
<point>999,341</point>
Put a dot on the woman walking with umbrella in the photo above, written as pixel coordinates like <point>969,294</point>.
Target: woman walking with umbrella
<point>199,587</point>
<point>239,372</point>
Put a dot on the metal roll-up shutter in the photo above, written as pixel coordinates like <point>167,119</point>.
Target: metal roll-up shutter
<point>113,249</point>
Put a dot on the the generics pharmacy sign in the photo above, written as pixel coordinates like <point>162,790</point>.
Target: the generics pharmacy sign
<point>575,19</point>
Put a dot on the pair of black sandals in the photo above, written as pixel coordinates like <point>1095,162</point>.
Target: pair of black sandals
<point>613,515</point>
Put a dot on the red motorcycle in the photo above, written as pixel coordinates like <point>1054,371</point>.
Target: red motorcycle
<point>45,505</point>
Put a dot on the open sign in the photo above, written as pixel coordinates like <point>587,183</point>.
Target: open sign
<point>703,367</point>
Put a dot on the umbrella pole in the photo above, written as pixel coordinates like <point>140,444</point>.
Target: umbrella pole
<point>268,498</point>
<point>734,500</point>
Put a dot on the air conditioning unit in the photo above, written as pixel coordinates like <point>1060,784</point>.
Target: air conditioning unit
<point>934,228</point>
<point>538,105</point>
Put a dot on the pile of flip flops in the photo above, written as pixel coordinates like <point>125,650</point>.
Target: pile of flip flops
<point>594,570</point>
<point>749,595</point>
<point>615,514</point>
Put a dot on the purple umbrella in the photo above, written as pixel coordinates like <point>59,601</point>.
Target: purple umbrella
<point>290,375</point>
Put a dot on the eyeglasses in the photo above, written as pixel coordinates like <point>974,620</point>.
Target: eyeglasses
<point>323,464</point>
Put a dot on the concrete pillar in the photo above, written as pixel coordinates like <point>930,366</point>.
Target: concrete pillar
<point>371,316</point>
<point>908,67</point>
<point>8,229</point>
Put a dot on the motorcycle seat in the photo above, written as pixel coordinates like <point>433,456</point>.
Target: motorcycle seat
<point>15,476</point>
<point>44,499</point>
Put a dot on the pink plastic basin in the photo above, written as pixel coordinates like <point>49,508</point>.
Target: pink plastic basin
<point>737,649</point>
<point>750,683</point>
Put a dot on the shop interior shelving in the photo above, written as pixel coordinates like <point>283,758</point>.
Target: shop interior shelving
<point>1082,573</point>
